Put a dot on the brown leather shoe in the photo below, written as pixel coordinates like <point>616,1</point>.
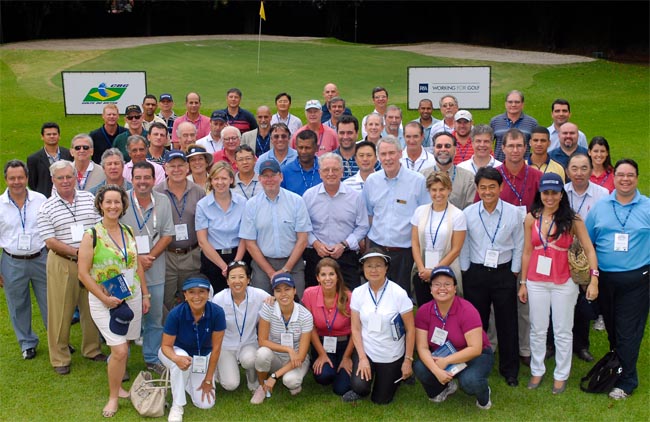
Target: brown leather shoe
<point>99,358</point>
<point>62,370</point>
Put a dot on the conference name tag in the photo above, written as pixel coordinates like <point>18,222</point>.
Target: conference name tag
<point>181,232</point>
<point>142,243</point>
<point>431,258</point>
<point>286,339</point>
<point>491,258</point>
<point>77,232</point>
<point>621,242</point>
<point>24,242</point>
<point>199,364</point>
<point>544,265</point>
<point>329,344</point>
<point>439,336</point>
<point>374,323</point>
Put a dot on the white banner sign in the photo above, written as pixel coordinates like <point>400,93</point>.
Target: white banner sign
<point>470,85</point>
<point>89,92</point>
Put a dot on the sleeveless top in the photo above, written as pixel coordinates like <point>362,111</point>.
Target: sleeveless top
<point>108,259</point>
<point>557,250</point>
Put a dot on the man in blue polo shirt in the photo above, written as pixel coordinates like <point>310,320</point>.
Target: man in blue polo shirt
<point>514,117</point>
<point>301,174</point>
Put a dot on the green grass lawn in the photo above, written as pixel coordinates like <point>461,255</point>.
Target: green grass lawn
<point>607,99</point>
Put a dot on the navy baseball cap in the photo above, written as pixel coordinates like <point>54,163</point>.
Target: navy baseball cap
<point>272,165</point>
<point>176,154</point>
<point>219,115</point>
<point>551,181</point>
<point>166,97</point>
<point>200,282</point>
<point>121,317</point>
<point>282,278</point>
<point>443,270</point>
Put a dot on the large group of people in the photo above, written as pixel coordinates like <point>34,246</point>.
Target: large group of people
<point>254,241</point>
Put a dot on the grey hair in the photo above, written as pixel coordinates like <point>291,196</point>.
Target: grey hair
<point>389,139</point>
<point>133,139</point>
<point>481,129</point>
<point>183,124</point>
<point>60,165</point>
<point>331,155</point>
<point>394,107</point>
<point>83,136</point>
<point>112,152</point>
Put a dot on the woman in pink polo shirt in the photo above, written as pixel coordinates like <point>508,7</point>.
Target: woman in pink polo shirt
<point>332,348</point>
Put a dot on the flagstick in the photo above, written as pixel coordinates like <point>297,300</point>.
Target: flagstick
<point>259,46</point>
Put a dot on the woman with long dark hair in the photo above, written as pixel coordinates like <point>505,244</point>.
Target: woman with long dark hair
<point>549,230</point>
<point>601,160</point>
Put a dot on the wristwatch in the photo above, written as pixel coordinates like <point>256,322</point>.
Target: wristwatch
<point>595,273</point>
<point>209,382</point>
<point>274,376</point>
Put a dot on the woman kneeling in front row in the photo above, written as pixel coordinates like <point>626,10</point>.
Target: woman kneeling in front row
<point>191,345</point>
<point>451,320</point>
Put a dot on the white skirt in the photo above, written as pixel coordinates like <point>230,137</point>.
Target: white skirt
<point>101,316</point>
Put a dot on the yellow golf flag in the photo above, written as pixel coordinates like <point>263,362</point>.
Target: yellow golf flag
<point>262,14</point>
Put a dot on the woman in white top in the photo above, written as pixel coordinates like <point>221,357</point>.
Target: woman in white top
<point>437,236</point>
<point>284,335</point>
<point>241,304</point>
<point>384,358</point>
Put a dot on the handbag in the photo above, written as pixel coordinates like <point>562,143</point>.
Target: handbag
<point>578,263</point>
<point>603,376</point>
<point>148,394</point>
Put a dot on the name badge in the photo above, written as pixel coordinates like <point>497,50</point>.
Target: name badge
<point>24,242</point>
<point>77,232</point>
<point>374,323</point>
<point>329,344</point>
<point>142,243</point>
<point>129,275</point>
<point>199,364</point>
<point>286,339</point>
<point>181,232</point>
<point>439,336</point>
<point>544,265</point>
<point>491,258</point>
<point>431,258</point>
<point>621,242</point>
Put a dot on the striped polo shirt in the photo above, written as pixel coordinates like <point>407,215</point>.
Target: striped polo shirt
<point>301,322</point>
<point>56,216</point>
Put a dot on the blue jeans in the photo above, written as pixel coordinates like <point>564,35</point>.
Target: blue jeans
<point>340,380</point>
<point>473,380</point>
<point>18,275</point>
<point>152,328</point>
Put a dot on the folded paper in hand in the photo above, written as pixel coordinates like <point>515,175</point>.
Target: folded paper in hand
<point>445,350</point>
<point>117,287</point>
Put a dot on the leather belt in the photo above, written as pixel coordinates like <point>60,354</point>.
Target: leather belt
<point>182,251</point>
<point>32,256</point>
<point>69,258</point>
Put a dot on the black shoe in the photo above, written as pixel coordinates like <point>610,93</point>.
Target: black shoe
<point>585,355</point>
<point>29,353</point>
<point>512,381</point>
<point>525,360</point>
<point>71,349</point>
<point>99,358</point>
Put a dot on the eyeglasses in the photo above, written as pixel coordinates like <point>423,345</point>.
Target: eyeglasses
<point>80,147</point>
<point>234,263</point>
<point>231,139</point>
<point>64,177</point>
<point>441,146</point>
<point>437,286</point>
<point>134,117</point>
<point>280,137</point>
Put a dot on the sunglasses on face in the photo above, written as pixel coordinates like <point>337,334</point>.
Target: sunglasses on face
<point>80,147</point>
<point>134,117</point>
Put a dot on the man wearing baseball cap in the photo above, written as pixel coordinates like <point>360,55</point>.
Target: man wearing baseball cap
<point>275,227</point>
<point>462,130</point>
<point>166,104</point>
<point>327,138</point>
<point>133,117</point>
<point>212,142</point>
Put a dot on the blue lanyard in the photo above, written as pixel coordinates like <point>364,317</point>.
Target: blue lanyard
<point>624,222</point>
<point>234,311</point>
<point>313,174</point>
<point>85,180</point>
<point>145,219</point>
<point>372,296</point>
<point>493,237</point>
<point>443,320</point>
<point>244,192</point>
<point>265,146</point>
<point>434,238</point>
<point>408,160</point>
<point>107,139</point>
<point>581,204</point>
<point>602,183</point>
<point>453,176</point>
<point>539,232</point>
<point>520,196</point>
<point>124,252</point>
<point>287,321</point>
<point>23,216</point>
<point>180,213</point>
<point>336,313</point>
<point>198,340</point>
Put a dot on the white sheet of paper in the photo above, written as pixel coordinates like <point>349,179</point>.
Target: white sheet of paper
<point>24,242</point>
<point>142,243</point>
<point>491,258</point>
<point>439,336</point>
<point>329,344</point>
<point>77,232</point>
<point>544,265</point>
<point>181,232</point>
<point>286,339</point>
<point>431,258</point>
<point>621,242</point>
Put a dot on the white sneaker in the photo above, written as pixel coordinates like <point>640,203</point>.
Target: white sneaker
<point>451,389</point>
<point>175,414</point>
<point>258,396</point>
<point>296,391</point>
<point>599,323</point>
<point>487,405</point>
<point>617,394</point>
<point>139,341</point>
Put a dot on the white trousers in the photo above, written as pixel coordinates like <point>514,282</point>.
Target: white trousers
<point>269,361</point>
<point>228,367</point>
<point>560,301</point>
<point>184,381</point>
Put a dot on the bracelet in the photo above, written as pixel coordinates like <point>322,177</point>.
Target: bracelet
<point>147,296</point>
<point>285,270</point>
<point>409,358</point>
<point>523,282</point>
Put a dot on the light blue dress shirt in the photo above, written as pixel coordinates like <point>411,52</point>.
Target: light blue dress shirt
<point>274,224</point>
<point>391,204</point>
<point>222,226</point>
<point>338,218</point>
<point>481,229</point>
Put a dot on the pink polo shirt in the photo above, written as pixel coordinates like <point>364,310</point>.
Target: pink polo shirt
<point>202,125</point>
<point>328,140</point>
<point>341,325</point>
